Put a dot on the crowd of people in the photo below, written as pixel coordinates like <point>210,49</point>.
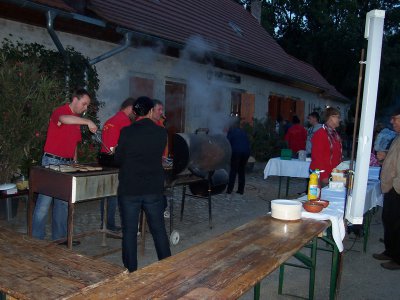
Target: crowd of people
<point>141,174</point>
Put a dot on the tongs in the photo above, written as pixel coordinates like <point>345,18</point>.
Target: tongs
<point>97,137</point>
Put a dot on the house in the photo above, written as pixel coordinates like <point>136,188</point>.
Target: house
<point>206,60</point>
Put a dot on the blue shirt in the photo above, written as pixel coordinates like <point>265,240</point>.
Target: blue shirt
<point>239,141</point>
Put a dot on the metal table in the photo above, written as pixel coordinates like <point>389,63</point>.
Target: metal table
<point>71,187</point>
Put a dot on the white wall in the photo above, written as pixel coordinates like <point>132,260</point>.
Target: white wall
<point>114,74</point>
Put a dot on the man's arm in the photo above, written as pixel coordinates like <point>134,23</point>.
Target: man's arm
<point>71,120</point>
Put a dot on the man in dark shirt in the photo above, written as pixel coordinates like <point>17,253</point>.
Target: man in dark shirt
<point>141,182</point>
<point>240,154</point>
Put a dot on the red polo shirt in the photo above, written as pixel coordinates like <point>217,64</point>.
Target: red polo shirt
<point>296,137</point>
<point>112,129</point>
<point>62,139</point>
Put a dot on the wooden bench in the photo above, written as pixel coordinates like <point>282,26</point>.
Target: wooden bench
<point>35,269</point>
<point>224,267</point>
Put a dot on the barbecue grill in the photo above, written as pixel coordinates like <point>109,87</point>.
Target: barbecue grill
<point>200,161</point>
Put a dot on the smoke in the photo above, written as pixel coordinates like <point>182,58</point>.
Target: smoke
<point>205,93</point>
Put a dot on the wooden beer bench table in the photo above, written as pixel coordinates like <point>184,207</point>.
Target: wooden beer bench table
<point>35,269</point>
<point>224,267</point>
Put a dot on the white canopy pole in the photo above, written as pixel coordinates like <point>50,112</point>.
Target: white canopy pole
<point>374,34</point>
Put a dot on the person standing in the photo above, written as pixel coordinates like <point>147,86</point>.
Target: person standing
<point>240,154</point>
<point>110,135</point>
<point>326,151</point>
<point>296,136</point>
<point>63,136</point>
<point>313,119</point>
<point>141,182</point>
<point>390,185</point>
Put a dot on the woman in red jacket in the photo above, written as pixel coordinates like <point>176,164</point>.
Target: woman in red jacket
<point>326,151</point>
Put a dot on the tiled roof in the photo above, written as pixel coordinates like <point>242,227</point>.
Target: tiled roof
<point>214,21</point>
<point>59,4</point>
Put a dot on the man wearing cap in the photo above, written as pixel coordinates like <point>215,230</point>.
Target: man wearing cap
<point>63,136</point>
<point>390,184</point>
<point>141,182</point>
<point>109,136</point>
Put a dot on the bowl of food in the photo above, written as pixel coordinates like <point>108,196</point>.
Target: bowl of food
<point>312,206</point>
<point>324,203</point>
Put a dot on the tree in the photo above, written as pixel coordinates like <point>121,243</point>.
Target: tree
<point>329,34</point>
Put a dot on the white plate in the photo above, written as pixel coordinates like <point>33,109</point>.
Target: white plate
<point>7,186</point>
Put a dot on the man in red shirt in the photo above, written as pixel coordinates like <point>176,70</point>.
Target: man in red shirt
<point>296,136</point>
<point>110,135</point>
<point>63,136</point>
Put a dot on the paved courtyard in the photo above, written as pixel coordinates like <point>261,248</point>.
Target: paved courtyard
<point>362,277</point>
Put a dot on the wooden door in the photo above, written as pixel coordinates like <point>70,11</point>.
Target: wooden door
<point>300,110</point>
<point>139,86</point>
<point>175,95</point>
<point>247,108</point>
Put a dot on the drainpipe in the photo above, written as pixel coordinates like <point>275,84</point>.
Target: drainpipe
<point>127,44</point>
<point>50,15</point>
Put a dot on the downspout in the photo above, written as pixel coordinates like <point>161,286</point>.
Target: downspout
<point>127,44</point>
<point>50,15</point>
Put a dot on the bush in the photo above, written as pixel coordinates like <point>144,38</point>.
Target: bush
<point>27,98</point>
<point>32,85</point>
<point>265,142</point>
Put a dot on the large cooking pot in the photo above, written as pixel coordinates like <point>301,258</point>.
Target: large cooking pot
<point>217,184</point>
<point>200,153</point>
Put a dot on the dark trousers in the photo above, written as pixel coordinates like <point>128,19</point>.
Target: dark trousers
<point>391,224</point>
<point>153,206</point>
<point>238,167</point>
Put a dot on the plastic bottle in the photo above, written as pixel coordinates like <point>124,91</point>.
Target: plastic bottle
<point>313,187</point>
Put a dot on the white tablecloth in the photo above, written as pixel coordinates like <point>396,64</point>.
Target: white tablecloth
<point>291,168</point>
<point>335,211</point>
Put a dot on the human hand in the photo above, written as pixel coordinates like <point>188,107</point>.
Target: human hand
<point>92,126</point>
<point>381,155</point>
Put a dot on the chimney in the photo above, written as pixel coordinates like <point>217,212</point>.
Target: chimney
<point>255,7</point>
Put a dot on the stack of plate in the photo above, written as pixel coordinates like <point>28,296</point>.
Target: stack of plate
<point>286,209</point>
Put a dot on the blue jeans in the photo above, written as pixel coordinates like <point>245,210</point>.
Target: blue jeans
<point>59,213</point>
<point>153,206</point>
<point>111,208</point>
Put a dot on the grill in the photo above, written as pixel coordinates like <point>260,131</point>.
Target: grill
<point>201,162</point>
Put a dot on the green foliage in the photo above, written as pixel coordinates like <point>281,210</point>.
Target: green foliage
<point>32,85</point>
<point>330,35</point>
<point>27,97</point>
<point>265,142</point>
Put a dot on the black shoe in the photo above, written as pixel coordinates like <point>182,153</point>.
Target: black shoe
<point>113,236</point>
<point>240,193</point>
<point>74,243</point>
<point>381,256</point>
<point>116,229</point>
<point>391,265</point>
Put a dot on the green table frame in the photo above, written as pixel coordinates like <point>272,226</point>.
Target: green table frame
<point>309,262</point>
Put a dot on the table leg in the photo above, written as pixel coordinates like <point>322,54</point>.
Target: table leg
<point>30,211</point>
<point>308,262</point>
<point>335,268</point>
<point>287,186</point>
<point>70,223</point>
<point>8,209</point>
<point>279,188</point>
<point>366,226</point>
<point>257,289</point>
<point>104,227</point>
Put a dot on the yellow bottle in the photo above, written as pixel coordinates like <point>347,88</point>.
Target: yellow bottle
<point>313,187</point>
